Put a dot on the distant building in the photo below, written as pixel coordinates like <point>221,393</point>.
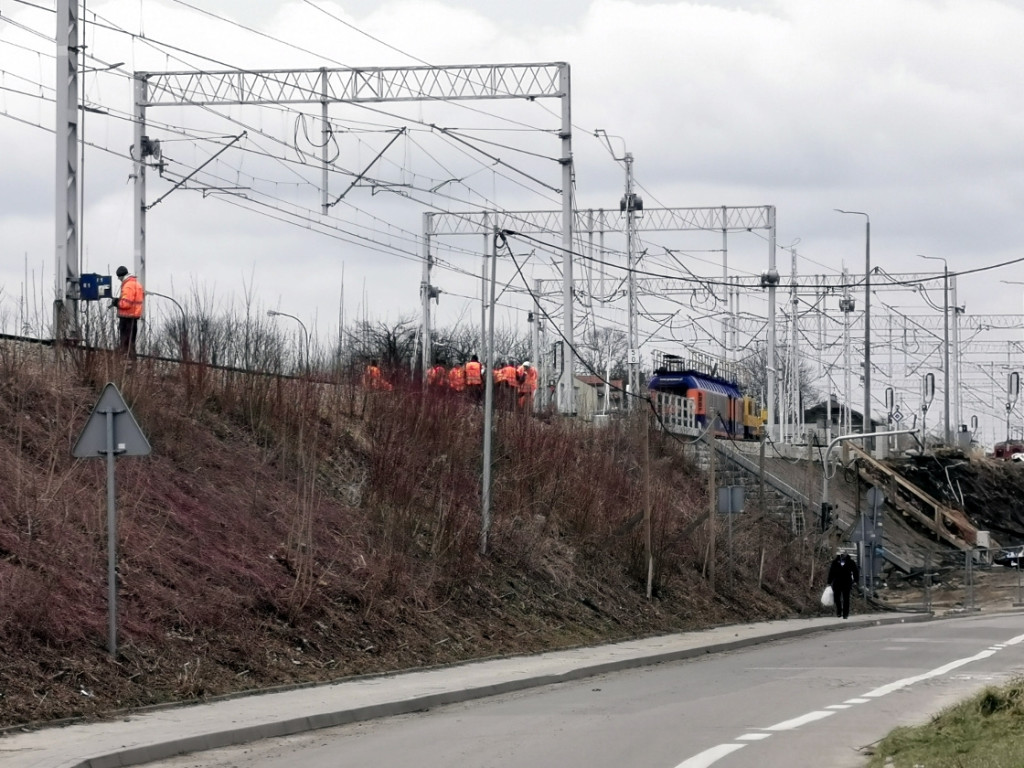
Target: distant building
<point>591,398</point>
<point>816,421</point>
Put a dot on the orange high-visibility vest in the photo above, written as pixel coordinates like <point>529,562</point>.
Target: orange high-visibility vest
<point>474,377</point>
<point>436,376</point>
<point>457,379</point>
<point>508,375</point>
<point>132,295</point>
<point>528,381</point>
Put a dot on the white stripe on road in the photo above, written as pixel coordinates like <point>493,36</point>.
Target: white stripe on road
<point>895,686</point>
<point>796,722</point>
<point>712,755</point>
<point>709,756</point>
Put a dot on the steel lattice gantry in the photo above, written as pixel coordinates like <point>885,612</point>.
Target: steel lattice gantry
<point>326,86</point>
<point>592,221</point>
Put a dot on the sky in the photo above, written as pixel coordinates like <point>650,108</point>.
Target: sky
<point>908,110</point>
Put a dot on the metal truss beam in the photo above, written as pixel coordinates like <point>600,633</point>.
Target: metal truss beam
<point>364,84</point>
<point>598,220</point>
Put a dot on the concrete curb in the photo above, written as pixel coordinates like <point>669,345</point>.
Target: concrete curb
<point>163,750</point>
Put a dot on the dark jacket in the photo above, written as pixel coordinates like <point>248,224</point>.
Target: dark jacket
<point>843,573</point>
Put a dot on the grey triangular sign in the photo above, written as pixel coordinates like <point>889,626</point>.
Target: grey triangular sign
<point>128,438</point>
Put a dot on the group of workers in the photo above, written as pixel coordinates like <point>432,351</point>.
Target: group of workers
<point>514,385</point>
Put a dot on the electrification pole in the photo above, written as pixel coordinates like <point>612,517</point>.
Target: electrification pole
<point>66,272</point>
<point>629,206</point>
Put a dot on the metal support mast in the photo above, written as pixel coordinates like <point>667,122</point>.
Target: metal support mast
<point>427,292</point>
<point>566,388</point>
<point>634,336</point>
<point>66,273</point>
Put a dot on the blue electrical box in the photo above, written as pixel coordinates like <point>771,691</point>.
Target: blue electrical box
<point>94,287</point>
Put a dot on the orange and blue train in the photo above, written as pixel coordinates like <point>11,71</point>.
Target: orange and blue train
<point>738,416</point>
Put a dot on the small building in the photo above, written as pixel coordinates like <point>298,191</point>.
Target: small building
<point>593,396</point>
<point>816,421</point>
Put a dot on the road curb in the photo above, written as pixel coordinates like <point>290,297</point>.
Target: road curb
<point>132,756</point>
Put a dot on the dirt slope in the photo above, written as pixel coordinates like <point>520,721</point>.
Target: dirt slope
<point>286,532</point>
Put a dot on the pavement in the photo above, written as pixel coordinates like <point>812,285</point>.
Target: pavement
<point>143,737</point>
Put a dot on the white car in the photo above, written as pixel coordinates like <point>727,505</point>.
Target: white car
<point>1017,457</point>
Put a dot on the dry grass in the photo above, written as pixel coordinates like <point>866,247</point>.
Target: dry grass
<point>285,530</point>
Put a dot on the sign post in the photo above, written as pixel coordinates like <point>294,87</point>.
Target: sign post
<point>111,431</point>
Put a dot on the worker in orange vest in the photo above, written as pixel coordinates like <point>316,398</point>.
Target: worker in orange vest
<point>526,376</point>
<point>509,384</point>
<point>129,310</point>
<point>372,378</point>
<point>475,378</point>
<point>457,378</point>
<point>437,376</point>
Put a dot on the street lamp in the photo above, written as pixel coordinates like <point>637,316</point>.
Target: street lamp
<point>275,313</point>
<point>867,322</point>
<point>945,340</point>
<point>184,323</point>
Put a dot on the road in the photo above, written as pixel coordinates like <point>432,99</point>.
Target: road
<point>811,701</point>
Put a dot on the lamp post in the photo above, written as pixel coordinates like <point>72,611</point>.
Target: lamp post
<point>867,323</point>
<point>184,323</point>
<point>275,313</point>
<point>945,341</point>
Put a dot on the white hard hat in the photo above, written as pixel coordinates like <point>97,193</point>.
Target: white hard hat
<point>526,364</point>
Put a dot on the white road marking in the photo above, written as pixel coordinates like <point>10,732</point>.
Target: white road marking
<point>895,686</point>
<point>712,755</point>
<point>709,756</point>
<point>796,722</point>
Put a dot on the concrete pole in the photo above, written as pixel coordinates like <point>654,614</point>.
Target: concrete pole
<point>485,491</point>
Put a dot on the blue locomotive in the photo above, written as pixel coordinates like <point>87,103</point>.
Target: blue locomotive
<point>711,385</point>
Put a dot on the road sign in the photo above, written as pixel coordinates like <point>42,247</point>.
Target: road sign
<point>128,439</point>
<point>111,431</point>
<point>897,416</point>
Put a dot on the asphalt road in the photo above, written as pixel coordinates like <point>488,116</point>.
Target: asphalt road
<point>811,701</point>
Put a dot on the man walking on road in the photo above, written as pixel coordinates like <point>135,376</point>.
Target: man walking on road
<point>842,575</point>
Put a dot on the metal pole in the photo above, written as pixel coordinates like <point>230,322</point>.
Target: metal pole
<point>140,179</point>
<point>111,540</point>
<point>566,387</point>
<point>945,331</point>
<point>771,370</point>
<point>488,371</point>
<point>634,336</point>
<point>427,356</point>
<point>66,275</point>
<point>868,424</point>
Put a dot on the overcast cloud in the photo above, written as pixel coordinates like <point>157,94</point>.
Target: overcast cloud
<point>910,110</point>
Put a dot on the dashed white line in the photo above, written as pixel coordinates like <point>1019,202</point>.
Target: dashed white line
<point>709,756</point>
<point>796,722</point>
<point>712,755</point>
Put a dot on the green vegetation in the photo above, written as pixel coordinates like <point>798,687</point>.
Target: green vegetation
<point>982,732</point>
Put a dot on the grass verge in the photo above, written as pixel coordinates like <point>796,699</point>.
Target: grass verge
<point>981,732</point>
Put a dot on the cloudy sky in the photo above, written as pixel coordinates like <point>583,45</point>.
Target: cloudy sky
<point>909,110</point>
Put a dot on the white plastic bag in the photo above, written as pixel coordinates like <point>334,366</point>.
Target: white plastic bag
<point>827,598</point>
